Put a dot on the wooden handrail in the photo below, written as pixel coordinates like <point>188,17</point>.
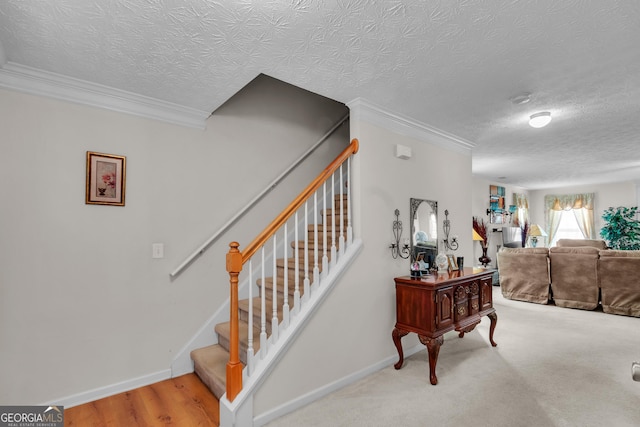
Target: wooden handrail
<point>279,221</point>
<point>236,259</point>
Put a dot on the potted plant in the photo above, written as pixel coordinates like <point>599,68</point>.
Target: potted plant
<point>621,229</point>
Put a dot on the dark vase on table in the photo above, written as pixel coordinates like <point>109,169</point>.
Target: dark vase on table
<point>484,259</point>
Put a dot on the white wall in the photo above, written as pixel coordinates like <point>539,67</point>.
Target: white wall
<point>82,304</point>
<point>352,329</point>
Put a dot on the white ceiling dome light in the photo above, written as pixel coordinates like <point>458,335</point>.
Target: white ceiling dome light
<point>540,120</point>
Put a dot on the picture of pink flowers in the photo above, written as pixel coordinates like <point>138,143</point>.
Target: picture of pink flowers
<point>105,179</point>
<point>107,174</point>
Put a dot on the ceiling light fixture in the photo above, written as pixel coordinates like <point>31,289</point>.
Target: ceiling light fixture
<point>540,120</point>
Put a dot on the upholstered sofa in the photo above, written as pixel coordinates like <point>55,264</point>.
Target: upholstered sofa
<point>578,243</point>
<point>524,274</point>
<point>619,274</point>
<point>579,274</point>
<point>574,276</point>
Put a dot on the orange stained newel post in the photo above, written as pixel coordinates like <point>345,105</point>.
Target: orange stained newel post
<point>234,367</point>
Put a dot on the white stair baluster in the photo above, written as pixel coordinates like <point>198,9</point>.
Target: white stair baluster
<point>325,258</point>
<point>334,252</point>
<point>305,295</point>
<point>316,267</point>
<point>341,241</point>
<point>274,317</point>
<point>296,268</point>
<point>349,227</point>
<point>263,313</point>
<point>285,305</point>
<point>250,350</point>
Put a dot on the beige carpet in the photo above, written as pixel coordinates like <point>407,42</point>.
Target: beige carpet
<point>553,367</point>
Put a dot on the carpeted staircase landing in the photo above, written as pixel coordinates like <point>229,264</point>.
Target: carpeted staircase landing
<point>210,362</point>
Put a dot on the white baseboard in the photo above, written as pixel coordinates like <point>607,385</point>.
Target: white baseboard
<point>110,390</point>
<point>318,393</point>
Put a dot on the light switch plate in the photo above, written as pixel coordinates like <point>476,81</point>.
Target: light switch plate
<point>157,250</point>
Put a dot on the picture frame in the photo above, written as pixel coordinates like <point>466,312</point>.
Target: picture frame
<point>453,264</point>
<point>106,179</point>
<point>420,259</point>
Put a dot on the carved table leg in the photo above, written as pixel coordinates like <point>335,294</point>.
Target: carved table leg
<point>397,335</point>
<point>494,319</point>
<point>433,347</point>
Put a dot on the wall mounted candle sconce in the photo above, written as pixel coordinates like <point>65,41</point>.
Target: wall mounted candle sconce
<point>397,250</point>
<point>449,244</point>
<point>512,210</point>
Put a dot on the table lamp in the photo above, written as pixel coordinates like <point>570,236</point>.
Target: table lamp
<point>534,232</point>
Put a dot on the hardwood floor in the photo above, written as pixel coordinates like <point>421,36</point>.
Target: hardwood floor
<point>180,401</point>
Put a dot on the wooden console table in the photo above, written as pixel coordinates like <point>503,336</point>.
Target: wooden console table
<point>435,304</point>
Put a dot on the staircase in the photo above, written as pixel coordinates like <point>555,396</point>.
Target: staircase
<point>210,362</point>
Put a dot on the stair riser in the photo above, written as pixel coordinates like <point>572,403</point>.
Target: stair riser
<point>224,342</point>
<point>312,241</point>
<point>257,319</point>
<point>291,273</point>
<point>268,294</point>
<point>280,282</point>
<point>336,203</point>
<point>291,262</point>
<point>328,219</point>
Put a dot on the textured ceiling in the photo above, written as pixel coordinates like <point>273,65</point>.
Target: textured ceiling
<point>452,65</point>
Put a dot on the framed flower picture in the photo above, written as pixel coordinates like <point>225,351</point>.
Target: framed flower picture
<point>106,178</point>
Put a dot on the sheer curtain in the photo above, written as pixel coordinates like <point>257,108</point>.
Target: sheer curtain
<point>521,214</point>
<point>580,204</point>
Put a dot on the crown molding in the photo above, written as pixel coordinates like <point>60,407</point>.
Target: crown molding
<point>37,82</point>
<point>363,110</point>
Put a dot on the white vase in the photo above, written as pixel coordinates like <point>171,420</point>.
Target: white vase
<point>442,262</point>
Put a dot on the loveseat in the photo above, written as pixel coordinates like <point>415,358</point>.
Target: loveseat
<point>575,274</point>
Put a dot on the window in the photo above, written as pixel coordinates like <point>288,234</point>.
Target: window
<point>576,209</point>
<point>568,228</point>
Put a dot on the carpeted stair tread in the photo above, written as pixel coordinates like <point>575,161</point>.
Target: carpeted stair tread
<point>243,306</point>
<point>211,367</point>
<point>291,262</point>
<point>224,333</point>
<point>280,285</point>
<point>291,274</point>
<point>311,246</point>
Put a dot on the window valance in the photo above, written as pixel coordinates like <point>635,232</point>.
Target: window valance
<point>565,202</point>
<point>521,200</point>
